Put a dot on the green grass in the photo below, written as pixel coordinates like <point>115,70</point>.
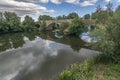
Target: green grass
<point>77,72</point>
<point>92,70</point>
<point>106,72</point>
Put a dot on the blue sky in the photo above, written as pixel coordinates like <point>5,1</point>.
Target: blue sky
<point>54,8</point>
<point>66,8</point>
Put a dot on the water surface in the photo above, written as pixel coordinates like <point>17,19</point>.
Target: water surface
<point>31,56</point>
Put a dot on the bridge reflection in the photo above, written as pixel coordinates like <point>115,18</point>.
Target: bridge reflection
<point>16,40</point>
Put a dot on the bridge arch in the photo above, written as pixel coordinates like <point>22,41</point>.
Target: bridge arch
<point>48,22</point>
<point>53,26</point>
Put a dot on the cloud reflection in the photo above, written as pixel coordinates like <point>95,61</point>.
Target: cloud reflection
<point>37,59</point>
<point>25,59</point>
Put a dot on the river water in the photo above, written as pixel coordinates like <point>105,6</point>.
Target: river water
<point>38,56</point>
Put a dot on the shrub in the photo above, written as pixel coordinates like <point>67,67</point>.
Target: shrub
<point>77,27</point>
<point>77,72</point>
<point>109,42</point>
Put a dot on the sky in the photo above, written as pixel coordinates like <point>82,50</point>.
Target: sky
<point>54,8</point>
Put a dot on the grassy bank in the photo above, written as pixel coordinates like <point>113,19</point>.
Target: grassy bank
<point>92,70</point>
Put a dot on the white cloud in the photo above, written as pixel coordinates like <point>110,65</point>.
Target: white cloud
<point>56,1</point>
<point>107,0</point>
<point>33,1</point>
<point>118,0</point>
<point>93,1</point>
<point>70,1</point>
<point>77,2</point>
<point>61,1</point>
<point>22,8</point>
<point>86,3</point>
<point>104,8</point>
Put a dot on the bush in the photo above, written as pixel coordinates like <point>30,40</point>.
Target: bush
<point>92,70</point>
<point>77,72</point>
<point>43,25</point>
<point>63,26</point>
<point>77,27</point>
<point>109,42</point>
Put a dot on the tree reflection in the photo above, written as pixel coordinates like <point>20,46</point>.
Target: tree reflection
<point>74,42</point>
<point>15,40</point>
<point>9,41</point>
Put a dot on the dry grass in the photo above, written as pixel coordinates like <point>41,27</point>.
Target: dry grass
<point>87,71</point>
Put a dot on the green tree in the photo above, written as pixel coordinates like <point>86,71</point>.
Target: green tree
<point>3,26</point>
<point>64,17</point>
<point>29,24</point>
<point>102,17</point>
<point>109,42</point>
<point>110,8</point>
<point>42,25</point>
<point>98,8</point>
<point>61,17</point>
<point>77,27</point>
<point>1,15</point>
<point>94,15</point>
<point>64,26</point>
<point>117,9</point>
<point>87,16</point>
<point>98,14</point>
<point>13,21</point>
<point>72,15</point>
<point>45,17</point>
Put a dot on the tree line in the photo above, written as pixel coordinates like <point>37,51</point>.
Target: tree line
<point>10,22</point>
<point>60,17</point>
<point>101,15</point>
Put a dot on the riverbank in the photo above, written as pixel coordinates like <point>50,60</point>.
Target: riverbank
<point>94,69</point>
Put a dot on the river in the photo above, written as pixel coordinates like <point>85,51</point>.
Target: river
<point>38,56</point>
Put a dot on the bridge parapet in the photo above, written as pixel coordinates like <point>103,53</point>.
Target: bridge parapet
<point>48,22</point>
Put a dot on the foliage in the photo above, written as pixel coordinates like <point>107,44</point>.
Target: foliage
<point>102,59</point>
<point>72,15</point>
<point>3,26</point>
<point>87,16</point>
<point>1,15</point>
<point>77,27</point>
<point>43,26</point>
<point>12,21</point>
<point>29,24</point>
<point>77,72</point>
<point>98,8</point>
<point>91,70</point>
<point>69,16</point>
<point>117,9</point>
<point>100,17</point>
<point>61,17</point>
<point>109,42</point>
<point>109,7</point>
<point>64,26</point>
<point>44,17</point>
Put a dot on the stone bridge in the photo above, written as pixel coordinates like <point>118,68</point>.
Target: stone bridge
<point>59,22</point>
